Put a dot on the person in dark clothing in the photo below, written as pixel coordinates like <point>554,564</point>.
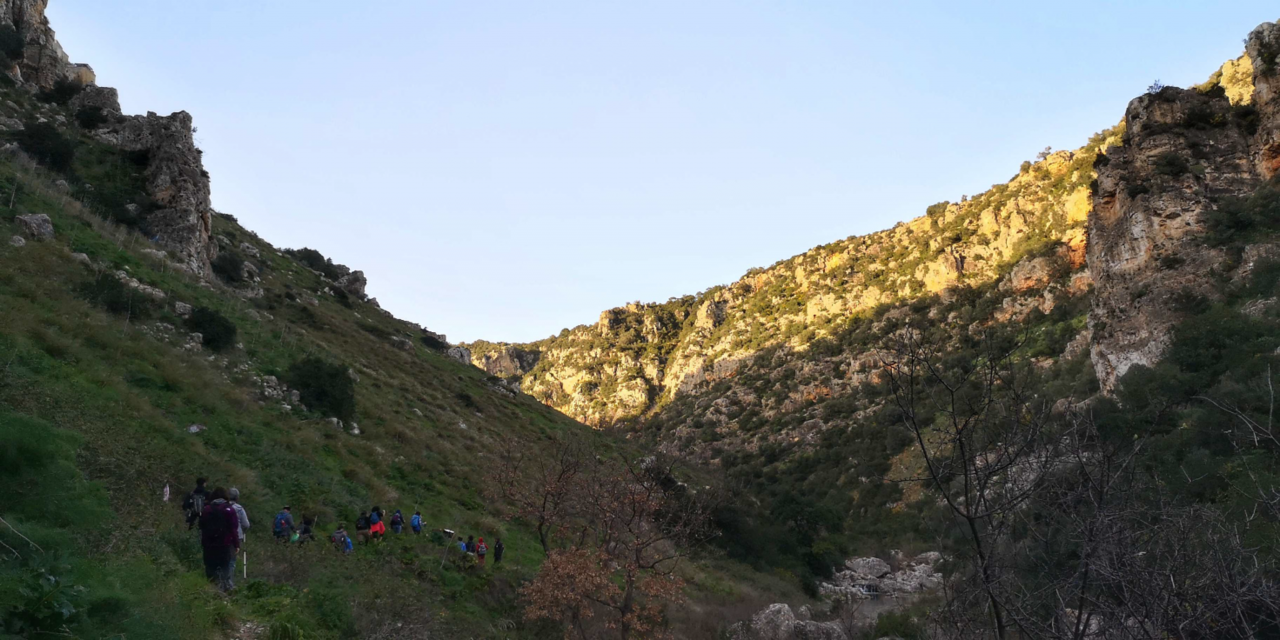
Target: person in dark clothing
<point>471,544</point>
<point>498,548</point>
<point>219,538</point>
<point>397,521</point>
<point>306,533</point>
<point>362,527</point>
<point>194,502</point>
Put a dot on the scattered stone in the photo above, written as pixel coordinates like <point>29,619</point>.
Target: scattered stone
<point>402,343</point>
<point>462,425</point>
<point>335,423</point>
<point>182,309</point>
<point>870,577</point>
<point>195,342</point>
<point>37,226</point>
<point>249,250</point>
<point>82,259</point>
<point>196,428</point>
<point>155,253</point>
<point>147,290</point>
<point>417,413</point>
<point>62,186</point>
<point>17,241</point>
<point>354,430</point>
<point>777,621</point>
<point>12,124</point>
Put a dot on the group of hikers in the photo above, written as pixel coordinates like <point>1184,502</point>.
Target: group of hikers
<point>223,521</point>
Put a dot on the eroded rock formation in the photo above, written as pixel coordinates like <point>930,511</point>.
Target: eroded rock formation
<point>1185,152</point>
<point>176,181</point>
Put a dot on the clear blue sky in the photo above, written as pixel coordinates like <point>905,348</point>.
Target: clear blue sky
<point>501,170</point>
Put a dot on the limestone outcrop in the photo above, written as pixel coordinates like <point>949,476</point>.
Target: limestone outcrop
<point>507,361</point>
<point>42,62</point>
<point>176,181</point>
<point>1185,153</point>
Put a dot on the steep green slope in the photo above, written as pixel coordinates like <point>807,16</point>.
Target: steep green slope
<point>107,402</point>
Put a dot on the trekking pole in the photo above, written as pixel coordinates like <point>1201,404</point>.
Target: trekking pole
<point>448,544</point>
<point>246,565</point>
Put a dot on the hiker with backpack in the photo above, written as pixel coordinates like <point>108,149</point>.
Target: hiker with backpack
<point>415,522</point>
<point>282,526</point>
<point>481,550</point>
<point>397,522</point>
<point>498,548</point>
<point>219,539</point>
<point>471,545</point>
<point>377,528</point>
<point>194,503</point>
<point>362,527</point>
<point>462,545</point>
<point>341,541</point>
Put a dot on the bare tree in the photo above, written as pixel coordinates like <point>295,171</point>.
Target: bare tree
<point>984,438</point>
<point>634,523</point>
<point>542,488</point>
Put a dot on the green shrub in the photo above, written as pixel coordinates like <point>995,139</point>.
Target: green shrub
<point>1136,189</point>
<point>229,266</point>
<point>218,332</point>
<point>325,387</point>
<point>897,624</point>
<point>91,118</point>
<point>61,92</point>
<point>316,261</point>
<point>1203,117</point>
<point>1236,217</point>
<point>1171,164</point>
<point>108,292</point>
<point>47,145</point>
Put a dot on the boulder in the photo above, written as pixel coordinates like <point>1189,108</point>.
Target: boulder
<point>868,567</point>
<point>461,354</point>
<point>82,258</point>
<point>250,250</point>
<point>182,309</point>
<point>402,343</point>
<point>37,226</point>
<point>353,283</point>
<point>17,241</point>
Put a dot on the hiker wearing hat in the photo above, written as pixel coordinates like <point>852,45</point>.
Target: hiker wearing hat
<point>283,525</point>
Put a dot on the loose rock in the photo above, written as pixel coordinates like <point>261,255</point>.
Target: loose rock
<point>37,226</point>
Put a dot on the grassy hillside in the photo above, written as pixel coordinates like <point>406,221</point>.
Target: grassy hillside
<point>101,388</point>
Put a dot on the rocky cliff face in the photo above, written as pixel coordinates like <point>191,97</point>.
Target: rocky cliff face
<point>176,180</point>
<point>1185,152</point>
<point>175,175</point>
<point>41,62</point>
<point>640,357</point>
